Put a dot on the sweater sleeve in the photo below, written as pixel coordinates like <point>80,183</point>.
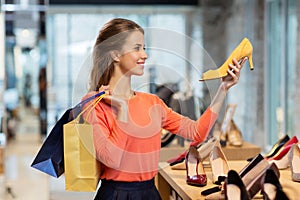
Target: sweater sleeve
<point>188,128</point>
<point>109,143</point>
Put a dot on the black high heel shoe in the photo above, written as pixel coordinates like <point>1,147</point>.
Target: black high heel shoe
<point>271,188</point>
<point>234,187</point>
<point>276,147</point>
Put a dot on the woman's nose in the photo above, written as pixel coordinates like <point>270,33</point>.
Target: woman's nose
<point>144,54</point>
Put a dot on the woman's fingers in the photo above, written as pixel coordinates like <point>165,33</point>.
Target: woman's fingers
<point>119,105</point>
<point>105,88</point>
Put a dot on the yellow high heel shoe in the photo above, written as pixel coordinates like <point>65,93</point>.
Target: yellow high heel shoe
<point>244,49</point>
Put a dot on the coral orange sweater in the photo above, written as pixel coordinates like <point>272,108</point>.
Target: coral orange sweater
<point>130,151</point>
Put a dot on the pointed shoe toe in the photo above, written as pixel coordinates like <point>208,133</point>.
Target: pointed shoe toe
<point>197,180</point>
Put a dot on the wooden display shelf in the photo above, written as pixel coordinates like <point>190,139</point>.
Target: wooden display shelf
<point>172,183</point>
<point>247,150</point>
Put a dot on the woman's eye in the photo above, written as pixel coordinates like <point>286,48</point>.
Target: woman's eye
<point>139,48</point>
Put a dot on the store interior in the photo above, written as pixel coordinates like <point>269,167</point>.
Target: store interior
<point>45,54</point>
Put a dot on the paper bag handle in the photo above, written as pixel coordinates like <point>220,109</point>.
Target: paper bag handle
<point>90,107</point>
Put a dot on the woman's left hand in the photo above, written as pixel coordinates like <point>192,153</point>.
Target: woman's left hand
<point>233,74</point>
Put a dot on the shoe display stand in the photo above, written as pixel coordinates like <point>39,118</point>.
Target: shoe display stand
<point>172,183</point>
<point>247,150</point>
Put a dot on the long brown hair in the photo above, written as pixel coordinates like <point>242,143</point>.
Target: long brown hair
<point>111,38</point>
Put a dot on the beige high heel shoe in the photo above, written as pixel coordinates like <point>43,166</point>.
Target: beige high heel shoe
<point>294,158</point>
<point>244,49</point>
<point>219,164</point>
<point>234,135</point>
<point>204,149</point>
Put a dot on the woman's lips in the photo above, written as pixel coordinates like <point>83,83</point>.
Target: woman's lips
<point>141,64</point>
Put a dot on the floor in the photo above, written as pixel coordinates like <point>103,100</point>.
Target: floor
<point>23,182</point>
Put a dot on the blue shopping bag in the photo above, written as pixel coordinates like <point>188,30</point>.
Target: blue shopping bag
<point>50,158</point>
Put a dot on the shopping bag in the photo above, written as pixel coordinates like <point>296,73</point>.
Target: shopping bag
<point>82,169</point>
<point>50,157</point>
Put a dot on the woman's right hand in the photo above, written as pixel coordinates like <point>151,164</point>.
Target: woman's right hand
<point>233,74</point>
<point>120,105</point>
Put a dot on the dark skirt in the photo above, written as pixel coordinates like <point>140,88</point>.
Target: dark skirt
<point>118,190</point>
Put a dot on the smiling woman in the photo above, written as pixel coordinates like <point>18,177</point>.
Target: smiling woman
<point>127,124</point>
<point>133,57</point>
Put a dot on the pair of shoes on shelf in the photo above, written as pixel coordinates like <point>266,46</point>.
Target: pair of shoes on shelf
<point>276,147</point>
<point>270,186</point>
<point>281,157</point>
<point>251,176</point>
<point>244,49</point>
<point>227,131</point>
<point>232,136</point>
<point>253,172</point>
<point>218,163</point>
<point>203,148</point>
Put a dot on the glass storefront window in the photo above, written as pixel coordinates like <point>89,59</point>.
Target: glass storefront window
<point>281,47</point>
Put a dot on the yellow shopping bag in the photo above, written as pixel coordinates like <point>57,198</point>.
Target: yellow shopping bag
<point>82,170</point>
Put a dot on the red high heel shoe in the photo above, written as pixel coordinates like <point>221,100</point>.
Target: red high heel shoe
<point>284,149</point>
<point>276,147</point>
<point>204,149</point>
<point>195,174</point>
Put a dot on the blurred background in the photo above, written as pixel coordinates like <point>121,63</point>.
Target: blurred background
<point>45,47</point>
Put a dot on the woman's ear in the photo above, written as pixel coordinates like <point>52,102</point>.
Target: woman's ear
<point>115,56</point>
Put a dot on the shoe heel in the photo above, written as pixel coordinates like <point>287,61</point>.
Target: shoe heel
<point>250,62</point>
<point>249,49</point>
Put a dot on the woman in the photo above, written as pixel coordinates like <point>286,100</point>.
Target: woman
<point>127,124</point>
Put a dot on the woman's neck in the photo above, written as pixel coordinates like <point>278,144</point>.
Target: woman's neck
<point>121,87</point>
